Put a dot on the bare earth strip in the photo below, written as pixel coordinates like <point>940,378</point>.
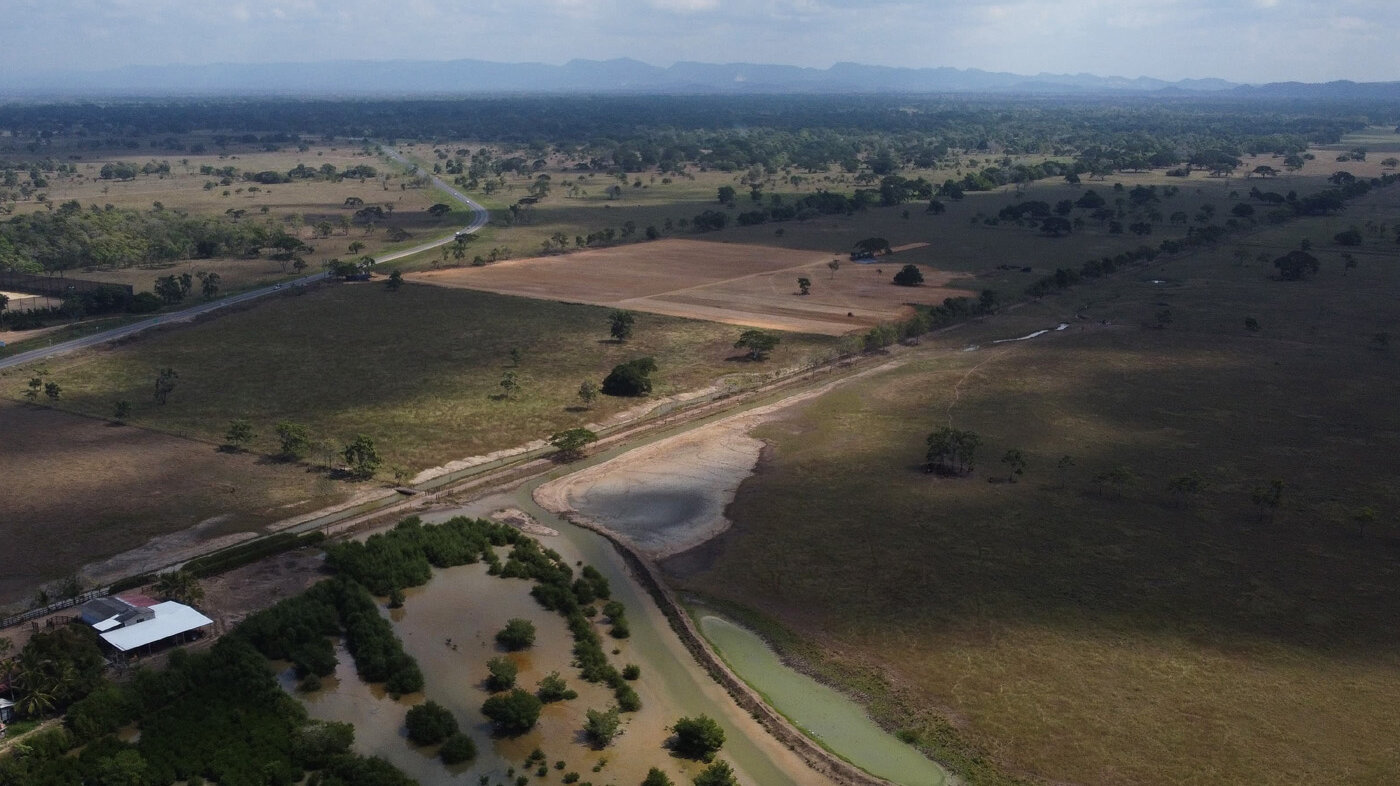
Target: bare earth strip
<point>737,284</point>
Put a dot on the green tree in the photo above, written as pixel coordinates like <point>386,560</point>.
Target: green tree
<point>951,451</point>
<point>909,276</point>
<point>513,713</point>
<point>165,384</point>
<point>804,285</point>
<point>588,392</point>
<point>439,210</point>
<point>572,443</point>
<point>552,688</point>
<point>697,738</point>
<point>758,343</point>
<point>632,378</point>
<point>834,265</point>
<point>181,586</point>
<point>500,674</point>
<point>727,195</point>
<point>395,281</point>
<point>871,246</point>
<point>362,457</point>
<point>1054,226</point>
<point>53,390</point>
<point>121,410</point>
<point>33,387</point>
<point>429,723</point>
<point>602,727</point>
<point>1015,462</point>
<point>208,284</point>
<point>1118,478</point>
<point>240,433</point>
<point>510,384</point>
<point>656,777</point>
<point>457,749</point>
<point>1185,487</point>
<point>168,289</point>
<point>518,634</point>
<point>1251,324</point>
<point>620,324</point>
<point>717,774</point>
<point>294,439</point>
<point>1296,266</point>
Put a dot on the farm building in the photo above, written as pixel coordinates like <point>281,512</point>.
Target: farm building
<point>7,711</point>
<point>127,625</point>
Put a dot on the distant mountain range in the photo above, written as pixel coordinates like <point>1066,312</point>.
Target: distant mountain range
<point>457,77</point>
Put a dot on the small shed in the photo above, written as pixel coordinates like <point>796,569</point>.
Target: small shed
<point>105,614</point>
<point>7,711</point>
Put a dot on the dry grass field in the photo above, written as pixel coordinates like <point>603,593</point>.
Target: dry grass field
<point>1074,629</point>
<point>77,490</point>
<point>418,370</point>
<point>722,282</point>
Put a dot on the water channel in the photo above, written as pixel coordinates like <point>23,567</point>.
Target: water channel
<point>825,714</point>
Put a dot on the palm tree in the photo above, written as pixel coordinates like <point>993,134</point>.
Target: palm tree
<point>181,586</point>
<point>35,702</point>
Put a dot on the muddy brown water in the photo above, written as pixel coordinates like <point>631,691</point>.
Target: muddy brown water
<point>468,606</point>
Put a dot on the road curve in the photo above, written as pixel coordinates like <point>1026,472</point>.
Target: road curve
<point>479,218</point>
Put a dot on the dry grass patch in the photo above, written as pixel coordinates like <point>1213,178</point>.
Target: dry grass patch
<point>78,490</point>
<point>418,370</point>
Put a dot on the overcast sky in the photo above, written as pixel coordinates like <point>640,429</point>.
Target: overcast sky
<point>1240,40</point>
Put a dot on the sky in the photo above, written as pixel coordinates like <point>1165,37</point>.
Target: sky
<point>1239,40</point>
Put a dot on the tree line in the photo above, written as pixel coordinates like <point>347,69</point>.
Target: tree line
<point>72,236</point>
<point>637,133</point>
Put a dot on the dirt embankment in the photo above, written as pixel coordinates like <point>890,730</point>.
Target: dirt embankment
<point>816,757</point>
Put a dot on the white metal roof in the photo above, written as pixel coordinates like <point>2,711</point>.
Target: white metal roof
<point>171,619</point>
<point>107,624</point>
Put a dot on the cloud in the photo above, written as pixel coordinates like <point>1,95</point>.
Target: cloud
<point>684,6</point>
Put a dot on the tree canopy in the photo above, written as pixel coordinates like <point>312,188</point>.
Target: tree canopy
<point>632,378</point>
<point>758,343</point>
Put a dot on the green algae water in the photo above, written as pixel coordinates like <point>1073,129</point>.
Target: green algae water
<point>824,714</point>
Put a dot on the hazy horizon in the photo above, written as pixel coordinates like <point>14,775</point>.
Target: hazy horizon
<point>1249,41</point>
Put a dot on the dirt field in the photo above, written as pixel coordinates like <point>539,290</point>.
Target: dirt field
<point>731,283</point>
<point>78,490</point>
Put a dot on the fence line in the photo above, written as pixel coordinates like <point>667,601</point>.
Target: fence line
<point>49,286</point>
<point>17,619</point>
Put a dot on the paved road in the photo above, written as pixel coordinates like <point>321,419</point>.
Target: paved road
<point>479,218</point>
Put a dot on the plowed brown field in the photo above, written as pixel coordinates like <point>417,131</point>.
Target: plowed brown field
<point>732,283</point>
